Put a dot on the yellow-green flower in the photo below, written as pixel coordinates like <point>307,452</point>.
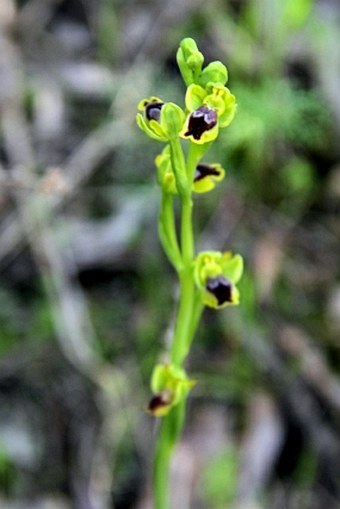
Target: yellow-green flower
<point>161,121</point>
<point>216,275</point>
<point>209,109</point>
<point>205,178</point>
<point>170,385</point>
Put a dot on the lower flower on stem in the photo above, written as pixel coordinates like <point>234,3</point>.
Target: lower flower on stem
<point>170,385</point>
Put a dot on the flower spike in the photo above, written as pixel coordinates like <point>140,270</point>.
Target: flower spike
<point>211,277</point>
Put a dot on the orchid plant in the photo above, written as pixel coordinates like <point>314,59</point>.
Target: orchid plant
<point>208,278</point>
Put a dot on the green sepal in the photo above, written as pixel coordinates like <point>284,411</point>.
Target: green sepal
<point>232,266</point>
<point>207,264</point>
<point>171,120</point>
<point>221,99</point>
<point>146,126</point>
<point>189,60</point>
<point>194,97</point>
<point>215,72</point>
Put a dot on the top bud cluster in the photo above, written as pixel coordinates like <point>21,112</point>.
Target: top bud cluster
<point>209,103</point>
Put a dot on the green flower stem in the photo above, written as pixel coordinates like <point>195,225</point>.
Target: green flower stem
<point>196,316</point>
<point>189,313</point>
<point>167,231</point>
<point>187,286</point>
<point>187,237</point>
<point>169,433</point>
<point>189,309</point>
<point>183,326</point>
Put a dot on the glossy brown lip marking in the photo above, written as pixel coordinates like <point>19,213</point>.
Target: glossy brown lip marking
<point>221,288</point>
<point>153,110</point>
<point>201,120</point>
<point>205,170</point>
<point>158,401</point>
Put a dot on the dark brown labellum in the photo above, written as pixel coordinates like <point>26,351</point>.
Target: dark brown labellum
<point>153,110</point>
<point>159,401</point>
<point>221,288</point>
<point>201,120</point>
<point>205,170</point>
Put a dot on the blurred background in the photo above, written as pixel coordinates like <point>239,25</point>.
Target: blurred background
<point>87,297</point>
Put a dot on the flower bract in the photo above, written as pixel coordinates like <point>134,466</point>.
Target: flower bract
<point>165,176</point>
